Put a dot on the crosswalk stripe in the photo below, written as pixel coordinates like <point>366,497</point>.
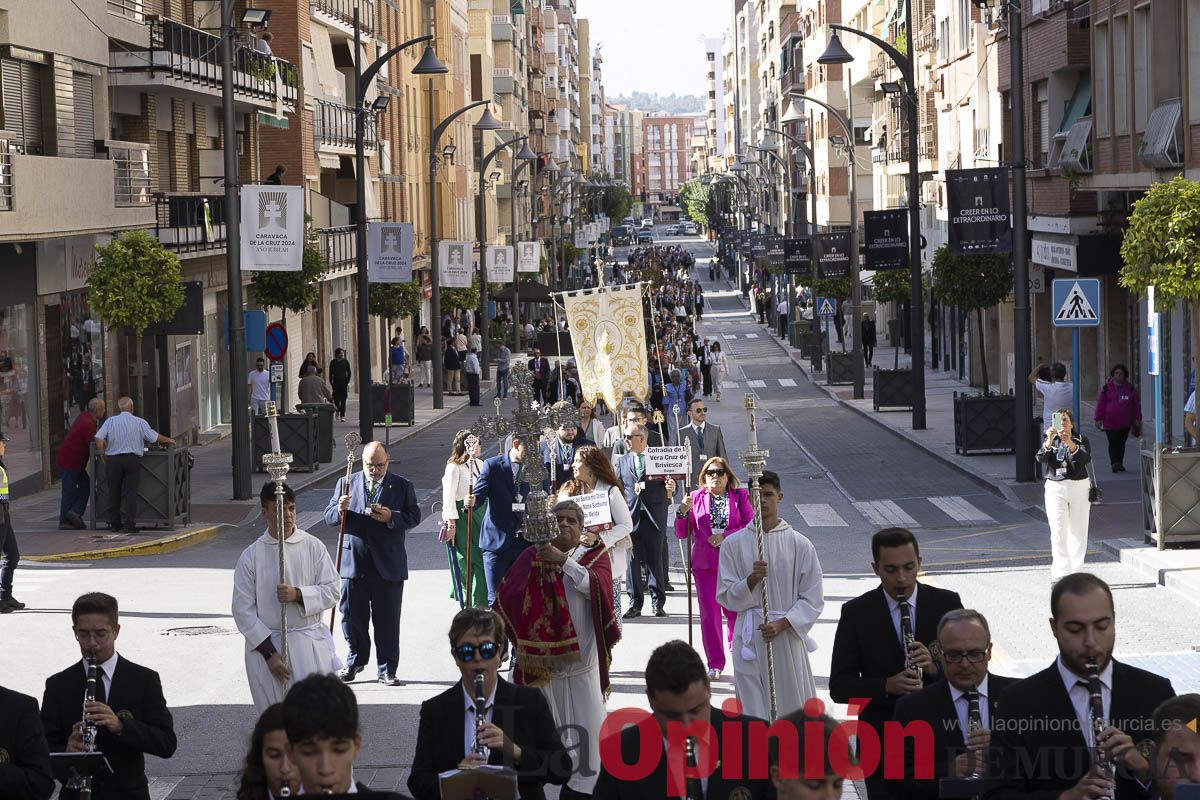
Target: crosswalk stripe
<point>729,384</point>
<point>959,509</point>
<point>885,512</point>
<point>751,335</point>
<point>787,381</point>
<point>821,515</point>
<point>729,335</point>
<point>757,384</point>
<point>307,519</point>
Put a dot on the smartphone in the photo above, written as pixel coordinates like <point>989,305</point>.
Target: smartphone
<point>376,507</point>
<point>1057,421</point>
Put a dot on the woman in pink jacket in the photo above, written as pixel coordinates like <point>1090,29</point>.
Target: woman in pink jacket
<point>1118,411</point>
<point>719,508</point>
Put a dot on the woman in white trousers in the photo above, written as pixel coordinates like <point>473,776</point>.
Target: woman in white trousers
<point>1064,455</point>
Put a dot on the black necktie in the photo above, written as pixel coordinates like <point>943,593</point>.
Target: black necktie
<point>101,695</point>
<point>700,437</point>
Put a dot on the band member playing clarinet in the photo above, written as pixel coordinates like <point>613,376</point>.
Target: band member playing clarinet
<point>874,656</point>
<point>129,711</point>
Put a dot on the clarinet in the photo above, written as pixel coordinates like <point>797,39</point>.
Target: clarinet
<point>974,723</point>
<point>83,783</point>
<point>480,710</point>
<point>693,788</point>
<point>1096,716</point>
<point>906,633</point>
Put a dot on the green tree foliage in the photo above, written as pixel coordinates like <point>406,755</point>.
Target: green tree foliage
<point>696,199</point>
<point>972,283</point>
<point>839,288</point>
<point>893,286</point>
<point>461,298</point>
<point>1162,244</point>
<point>394,300</point>
<point>616,203</point>
<point>293,291</point>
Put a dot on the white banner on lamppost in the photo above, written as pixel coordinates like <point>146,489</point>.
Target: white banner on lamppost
<point>272,228</point>
<point>455,265</point>
<point>390,252</point>
<point>530,257</point>
<point>499,261</point>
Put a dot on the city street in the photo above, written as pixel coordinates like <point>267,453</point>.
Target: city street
<point>844,477</point>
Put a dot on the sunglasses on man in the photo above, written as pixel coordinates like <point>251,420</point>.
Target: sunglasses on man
<point>466,652</point>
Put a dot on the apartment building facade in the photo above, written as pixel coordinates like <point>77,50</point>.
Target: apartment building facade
<point>666,157</point>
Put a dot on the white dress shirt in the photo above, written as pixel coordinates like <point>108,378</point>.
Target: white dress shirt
<point>894,610</point>
<point>1080,699</point>
<point>469,719</point>
<point>106,673</point>
<point>960,705</point>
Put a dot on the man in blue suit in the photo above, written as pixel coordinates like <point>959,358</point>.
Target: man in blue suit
<point>380,507</point>
<point>502,482</point>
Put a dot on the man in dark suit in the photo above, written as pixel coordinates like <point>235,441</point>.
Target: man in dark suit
<point>539,370</point>
<point>635,415</point>
<point>705,438</point>
<point>519,730</point>
<point>25,773</point>
<point>567,441</point>
<point>647,501</point>
<point>1043,724</point>
<point>1176,744</point>
<point>869,658</point>
<point>948,705</point>
<point>380,508</point>
<point>130,712</point>
<point>681,703</point>
<point>502,482</point>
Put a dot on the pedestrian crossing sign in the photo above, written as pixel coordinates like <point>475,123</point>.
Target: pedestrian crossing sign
<point>1076,302</point>
<point>826,306</point>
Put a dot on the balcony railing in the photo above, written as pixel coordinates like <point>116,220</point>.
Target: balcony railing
<point>333,126</point>
<point>190,222</point>
<point>130,9</point>
<point>131,173</point>
<point>343,11</point>
<point>926,37</point>
<point>6,179</point>
<point>337,245</point>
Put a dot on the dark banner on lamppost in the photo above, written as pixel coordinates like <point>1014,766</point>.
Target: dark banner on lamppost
<point>797,257</point>
<point>980,214</point>
<point>758,247</point>
<point>887,238</point>
<point>832,254</point>
<point>775,252</point>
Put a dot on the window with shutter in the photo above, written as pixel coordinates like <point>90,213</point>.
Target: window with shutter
<point>21,99</point>
<point>85,117</point>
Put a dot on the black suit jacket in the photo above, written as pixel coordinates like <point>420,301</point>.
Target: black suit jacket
<point>1038,736</point>
<point>520,711</point>
<point>935,705</point>
<point>25,767</point>
<point>654,786</point>
<point>544,364</point>
<point>137,699</point>
<point>866,650</point>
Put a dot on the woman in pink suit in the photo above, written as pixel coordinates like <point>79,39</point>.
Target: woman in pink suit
<point>717,509</point>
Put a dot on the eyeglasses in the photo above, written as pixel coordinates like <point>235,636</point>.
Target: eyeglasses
<point>377,464</point>
<point>634,436</point>
<point>959,656</point>
<point>102,635</point>
<point>466,652</point>
<point>716,473</point>
<point>702,411</point>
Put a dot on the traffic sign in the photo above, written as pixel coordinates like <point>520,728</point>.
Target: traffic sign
<point>826,306</point>
<point>1076,302</point>
<point>276,372</point>
<point>277,342</point>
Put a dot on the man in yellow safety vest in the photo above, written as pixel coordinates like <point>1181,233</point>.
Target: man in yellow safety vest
<point>8,542</point>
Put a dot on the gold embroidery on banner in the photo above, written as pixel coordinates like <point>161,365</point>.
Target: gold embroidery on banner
<point>609,338</point>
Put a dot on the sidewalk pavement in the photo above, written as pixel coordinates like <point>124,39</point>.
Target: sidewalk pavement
<point>1116,523</point>
<point>35,516</point>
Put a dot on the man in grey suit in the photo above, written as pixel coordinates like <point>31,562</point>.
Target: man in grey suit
<point>647,501</point>
<point>705,438</point>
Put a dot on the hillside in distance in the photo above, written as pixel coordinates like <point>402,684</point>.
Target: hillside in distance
<point>671,103</point>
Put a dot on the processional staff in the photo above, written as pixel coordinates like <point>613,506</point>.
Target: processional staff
<point>755,459</point>
<point>353,440</point>
<point>278,463</point>
<point>687,554</point>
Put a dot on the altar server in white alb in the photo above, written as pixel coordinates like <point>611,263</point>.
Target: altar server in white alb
<point>794,600</point>
<point>311,588</point>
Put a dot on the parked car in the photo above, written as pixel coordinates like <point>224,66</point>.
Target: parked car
<point>622,234</point>
<point>690,229</point>
<point>672,230</point>
<point>647,223</point>
<point>645,237</point>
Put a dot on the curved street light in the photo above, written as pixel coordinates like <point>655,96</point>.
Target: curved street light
<point>485,333</point>
<point>524,158</point>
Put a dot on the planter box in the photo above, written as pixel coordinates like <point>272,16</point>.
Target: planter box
<point>892,388</point>
<point>164,490</point>
<point>1171,496</point>
<point>297,435</point>
<point>984,424</point>
<point>840,369</point>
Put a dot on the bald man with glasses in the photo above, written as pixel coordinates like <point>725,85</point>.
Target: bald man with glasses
<point>705,438</point>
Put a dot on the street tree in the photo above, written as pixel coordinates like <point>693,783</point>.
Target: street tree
<point>616,203</point>
<point>972,283</point>
<point>134,283</point>
<point>295,291</point>
<point>893,286</point>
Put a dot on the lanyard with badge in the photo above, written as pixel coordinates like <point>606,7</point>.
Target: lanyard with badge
<point>518,505</point>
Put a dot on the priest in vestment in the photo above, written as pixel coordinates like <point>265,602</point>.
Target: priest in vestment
<point>557,604</point>
<point>794,602</point>
<point>310,588</point>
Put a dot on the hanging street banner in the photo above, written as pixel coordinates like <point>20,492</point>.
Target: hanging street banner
<point>272,228</point>
<point>831,251</point>
<point>887,238</point>
<point>455,265</point>
<point>758,247</point>
<point>390,252</point>
<point>775,252</point>
<point>608,334</point>
<point>797,257</point>
<point>499,262</point>
<point>529,257</point>
<point>980,215</point>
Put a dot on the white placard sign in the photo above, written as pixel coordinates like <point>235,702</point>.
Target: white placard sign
<point>389,252</point>
<point>272,228</point>
<point>529,258</point>
<point>597,515</point>
<point>667,462</point>
<point>499,261</point>
<point>455,264</point>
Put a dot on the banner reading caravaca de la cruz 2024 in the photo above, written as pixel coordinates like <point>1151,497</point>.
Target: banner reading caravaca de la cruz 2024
<point>272,237</point>
<point>980,214</point>
<point>390,252</point>
<point>456,264</point>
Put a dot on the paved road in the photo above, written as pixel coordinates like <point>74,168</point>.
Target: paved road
<point>843,478</point>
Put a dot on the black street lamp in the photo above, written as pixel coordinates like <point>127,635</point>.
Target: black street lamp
<point>835,53</point>
<point>428,65</point>
<point>524,158</point>
<point>485,334</point>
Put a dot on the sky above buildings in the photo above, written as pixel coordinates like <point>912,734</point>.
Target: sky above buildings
<point>654,45</point>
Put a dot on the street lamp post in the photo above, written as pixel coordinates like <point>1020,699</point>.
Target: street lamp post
<point>486,123</point>
<point>835,53</point>
<point>524,158</point>
<point>428,65</point>
<point>481,225</point>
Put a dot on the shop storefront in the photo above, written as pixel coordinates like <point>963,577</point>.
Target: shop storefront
<point>20,398</point>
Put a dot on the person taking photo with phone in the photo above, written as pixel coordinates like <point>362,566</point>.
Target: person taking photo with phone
<point>1065,455</point>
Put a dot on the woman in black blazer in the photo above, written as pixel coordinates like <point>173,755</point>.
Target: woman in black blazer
<point>1065,455</point>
